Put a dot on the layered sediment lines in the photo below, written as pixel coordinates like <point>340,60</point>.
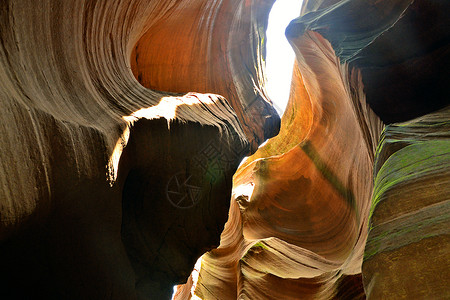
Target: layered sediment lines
<point>397,48</point>
<point>214,47</point>
<point>75,200</point>
<point>300,208</point>
<point>299,232</point>
<point>410,215</point>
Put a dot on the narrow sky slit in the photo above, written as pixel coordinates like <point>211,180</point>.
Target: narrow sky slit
<point>279,54</point>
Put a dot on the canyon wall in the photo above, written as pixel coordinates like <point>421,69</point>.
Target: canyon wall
<point>124,122</point>
<point>110,189</point>
<point>304,202</point>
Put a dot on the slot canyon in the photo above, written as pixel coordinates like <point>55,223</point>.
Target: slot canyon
<point>142,158</point>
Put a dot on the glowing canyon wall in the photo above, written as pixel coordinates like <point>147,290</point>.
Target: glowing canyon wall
<point>124,122</point>
<point>299,216</point>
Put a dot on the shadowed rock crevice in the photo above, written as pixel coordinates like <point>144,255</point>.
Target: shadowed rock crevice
<point>400,53</point>
<point>177,185</point>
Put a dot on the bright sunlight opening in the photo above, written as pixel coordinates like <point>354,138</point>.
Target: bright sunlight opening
<point>279,54</point>
<point>279,65</point>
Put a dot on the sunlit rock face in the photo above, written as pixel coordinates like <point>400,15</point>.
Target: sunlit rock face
<point>300,232</point>
<point>299,216</point>
<point>210,46</point>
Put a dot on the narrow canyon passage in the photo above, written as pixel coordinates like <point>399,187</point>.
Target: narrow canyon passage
<point>124,127</point>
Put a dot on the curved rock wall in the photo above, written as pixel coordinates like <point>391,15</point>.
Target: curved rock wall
<point>300,222</point>
<point>211,46</point>
<point>75,200</point>
<point>410,217</point>
<point>301,230</point>
<point>398,50</point>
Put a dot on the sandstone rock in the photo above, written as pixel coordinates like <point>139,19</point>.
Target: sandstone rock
<point>407,252</point>
<point>213,47</point>
<point>402,55</point>
<point>300,232</point>
<point>76,215</point>
<point>286,237</point>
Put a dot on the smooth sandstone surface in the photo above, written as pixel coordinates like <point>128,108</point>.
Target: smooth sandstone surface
<point>300,224</point>
<point>301,233</point>
<point>89,157</point>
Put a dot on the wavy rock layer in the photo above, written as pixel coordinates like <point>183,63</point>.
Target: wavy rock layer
<point>410,219</point>
<point>214,47</point>
<point>81,215</point>
<point>300,232</point>
<point>299,213</point>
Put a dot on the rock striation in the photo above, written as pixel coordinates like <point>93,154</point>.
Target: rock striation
<point>123,128</point>
<point>299,229</point>
<point>108,189</point>
<point>410,217</point>
<point>299,225</point>
<point>210,46</point>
